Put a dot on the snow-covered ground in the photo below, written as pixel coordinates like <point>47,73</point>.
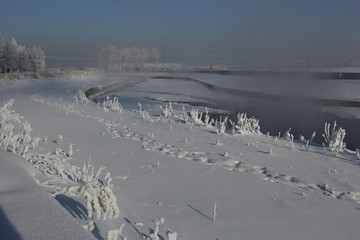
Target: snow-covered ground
<point>162,166</point>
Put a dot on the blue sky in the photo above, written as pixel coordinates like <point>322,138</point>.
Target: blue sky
<point>326,28</point>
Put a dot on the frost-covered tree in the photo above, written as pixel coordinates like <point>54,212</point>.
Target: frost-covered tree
<point>127,59</point>
<point>17,58</point>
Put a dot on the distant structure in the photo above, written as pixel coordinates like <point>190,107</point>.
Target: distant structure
<point>15,58</point>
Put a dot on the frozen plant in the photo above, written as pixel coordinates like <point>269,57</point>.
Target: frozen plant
<point>218,143</point>
<point>88,175</point>
<point>310,140</point>
<point>312,136</point>
<point>90,226</point>
<point>221,125</point>
<point>195,116</point>
<point>358,153</point>
<point>288,136</point>
<point>59,140</point>
<point>334,140</point>
<point>154,235</point>
<point>171,235</point>
<point>71,152</point>
<point>15,135</point>
<point>214,212</point>
<point>114,234</point>
<point>143,113</point>
<point>9,115</point>
<point>80,98</point>
<point>53,165</point>
<point>271,150</point>
<point>207,120</point>
<point>245,125</point>
<point>167,111</point>
<point>100,199</point>
<point>110,104</point>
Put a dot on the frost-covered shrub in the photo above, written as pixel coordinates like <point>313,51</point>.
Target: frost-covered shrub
<point>195,117</point>
<point>200,118</point>
<point>54,165</point>
<point>110,104</point>
<point>307,142</point>
<point>334,140</point>
<point>144,114</point>
<point>245,125</point>
<point>114,234</point>
<point>167,111</point>
<point>80,98</point>
<point>15,135</point>
<point>290,137</point>
<point>100,199</point>
<point>171,235</point>
<point>6,114</point>
<point>87,173</point>
<point>154,235</point>
<point>221,125</point>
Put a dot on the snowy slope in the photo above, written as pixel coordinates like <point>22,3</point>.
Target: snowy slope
<point>263,187</point>
<point>27,211</point>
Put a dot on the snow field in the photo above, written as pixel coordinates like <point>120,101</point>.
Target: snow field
<point>292,193</point>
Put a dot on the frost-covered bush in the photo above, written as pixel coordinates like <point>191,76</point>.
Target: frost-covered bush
<point>334,140</point>
<point>307,142</point>
<point>154,235</point>
<point>144,114</point>
<point>15,134</point>
<point>100,199</point>
<point>114,234</point>
<point>168,112</point>
<point>6,114</point>
<point>200,118</point>
<point>290,137</point>
<point>194,116</point>
<point>54,165</point>
<point>245,125</point>
<point>221,125</point>
<point>110,104</point>
<point>80,98</point>
<point>171,235</point>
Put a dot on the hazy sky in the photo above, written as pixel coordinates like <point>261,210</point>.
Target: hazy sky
<point>324,28</point>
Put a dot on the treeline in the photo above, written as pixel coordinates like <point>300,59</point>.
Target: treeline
<point>15,58</point>
<point>127,59</point>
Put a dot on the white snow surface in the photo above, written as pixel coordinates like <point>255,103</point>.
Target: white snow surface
<point>27,211</point>
<point>172,170</point>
